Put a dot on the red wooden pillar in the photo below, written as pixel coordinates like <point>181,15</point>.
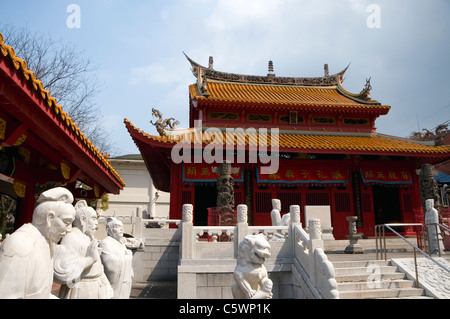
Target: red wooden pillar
<point>416,201</point>
<point>176,184</point>
<point>25,206</point>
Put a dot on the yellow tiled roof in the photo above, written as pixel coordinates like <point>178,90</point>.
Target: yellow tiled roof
<point>49,101</point>
<point>298,96</point>
<point>374,143</point>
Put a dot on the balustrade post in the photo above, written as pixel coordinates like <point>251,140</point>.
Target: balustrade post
<point>315,241</point>
<point>294,211</point>
<point>241,229</point>
<point>187,233</point>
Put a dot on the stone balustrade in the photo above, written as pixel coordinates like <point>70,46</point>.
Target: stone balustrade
<point>312,267</point>
<point>202,258</point>
<point>298,260</point>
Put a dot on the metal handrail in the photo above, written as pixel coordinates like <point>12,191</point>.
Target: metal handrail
<point>383,240</point>
<point>443,226</point>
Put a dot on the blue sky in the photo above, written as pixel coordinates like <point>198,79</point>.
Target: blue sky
<point>138,46</point>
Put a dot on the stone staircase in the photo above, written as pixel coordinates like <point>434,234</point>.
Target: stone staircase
<point>373,279</point>
<point>361,276</point>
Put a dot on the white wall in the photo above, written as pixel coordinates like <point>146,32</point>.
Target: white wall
<point>139,191</point>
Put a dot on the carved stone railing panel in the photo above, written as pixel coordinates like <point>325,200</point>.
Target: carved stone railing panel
<point>216,233</point>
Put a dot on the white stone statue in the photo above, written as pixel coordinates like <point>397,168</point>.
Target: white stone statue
<point>434,233</point>
<point>250,274</point>
<point>26,256</point>
<point>275,214</point>
<point>117,259</point>
<point>77,265</point>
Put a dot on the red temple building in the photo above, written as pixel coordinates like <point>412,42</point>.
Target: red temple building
<point>328,150</point>
<point>41,146</point>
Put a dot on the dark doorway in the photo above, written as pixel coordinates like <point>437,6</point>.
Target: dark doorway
<point>205,196</point>
<point>386,202</point>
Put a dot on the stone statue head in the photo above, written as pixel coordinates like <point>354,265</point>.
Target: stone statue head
<point>114,228</point>
<point>253,249</point>
<point>85,219</point>
<point>276,204</point>
<point>54,213</point>
<point>429,204</point>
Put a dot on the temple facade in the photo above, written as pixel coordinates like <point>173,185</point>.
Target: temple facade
<point>302,140</point>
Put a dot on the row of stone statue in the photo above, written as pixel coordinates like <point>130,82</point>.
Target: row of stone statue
<point>59,246</point>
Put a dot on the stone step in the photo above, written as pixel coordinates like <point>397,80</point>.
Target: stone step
<point>359,263</point>
<point>364,270</point>
<point>356,277</point>
<point>154,290</point>
<point>365,277</point>
<point>382,293</point>
<point>382,284</point>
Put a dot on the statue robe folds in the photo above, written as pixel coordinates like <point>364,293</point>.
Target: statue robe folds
<point>26,265</point>
<point>117,260</point>
<point>78,281</point>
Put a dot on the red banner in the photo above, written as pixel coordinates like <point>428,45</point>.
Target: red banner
<point>304,175</point>
<point>386,175</point>
<point>207,172</point>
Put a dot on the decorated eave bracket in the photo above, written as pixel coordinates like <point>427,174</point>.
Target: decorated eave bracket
<point>16,137</point>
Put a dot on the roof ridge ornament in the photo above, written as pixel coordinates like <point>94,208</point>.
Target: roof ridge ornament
<point>271,72</point>
<point>365,93</point>
<point>326,72</point>
<point>209,73</point>
<point>211,63</point>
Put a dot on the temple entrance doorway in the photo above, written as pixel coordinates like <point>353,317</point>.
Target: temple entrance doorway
<point>205,196</point>
<point>386,202</point>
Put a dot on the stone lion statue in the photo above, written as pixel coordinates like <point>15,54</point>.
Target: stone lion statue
<point>250,274</point>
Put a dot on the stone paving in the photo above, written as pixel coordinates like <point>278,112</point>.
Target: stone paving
<point>154,290</point>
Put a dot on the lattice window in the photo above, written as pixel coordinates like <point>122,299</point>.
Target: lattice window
<point>263,202</point>
<point>342,202</point>
<point>288,199</point>
<point>317,199</point>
